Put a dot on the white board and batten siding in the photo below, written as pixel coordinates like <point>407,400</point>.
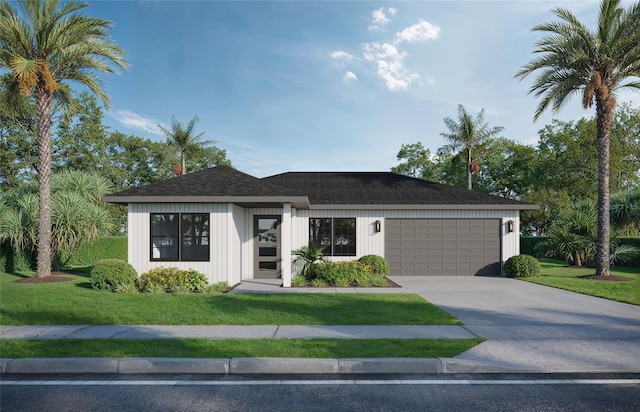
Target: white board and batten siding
<point>224,264</point>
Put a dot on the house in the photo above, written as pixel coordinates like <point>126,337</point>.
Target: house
<point>232,226</point>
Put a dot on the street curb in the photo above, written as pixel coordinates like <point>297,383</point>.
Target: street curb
<point>249,366</point>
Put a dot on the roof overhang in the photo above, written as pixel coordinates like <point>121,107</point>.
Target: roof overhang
<point>298,202</point>
<point>520,206</point>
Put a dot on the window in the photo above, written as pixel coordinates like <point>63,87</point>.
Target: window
<point>180,237</point>
<point>338,235</point>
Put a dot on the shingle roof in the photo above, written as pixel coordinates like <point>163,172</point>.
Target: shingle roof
<point>216,181</point>
<point>377,188</point>
<point>321,188</point>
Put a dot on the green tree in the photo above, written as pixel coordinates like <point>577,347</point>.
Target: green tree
<point>574,59</point>
<point>44,43</point>
<point>467,134</point>
<point>183,138</point>
<point>416,162</point>
<point>18,154</point>
<point>625,211</point>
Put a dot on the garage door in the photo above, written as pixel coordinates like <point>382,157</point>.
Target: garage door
<point>443,247</point>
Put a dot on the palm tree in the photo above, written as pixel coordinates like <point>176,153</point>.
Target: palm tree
<point>182,137</point>
<point>467,133</point>
<point>595,64</point>
<point>44,43</point>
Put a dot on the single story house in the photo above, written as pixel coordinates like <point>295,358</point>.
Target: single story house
<point>232,226</point>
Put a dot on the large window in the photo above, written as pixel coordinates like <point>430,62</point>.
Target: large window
<point>180,237</point>
<point>338,235</point>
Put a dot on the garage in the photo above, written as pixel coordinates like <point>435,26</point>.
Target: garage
<point>443,247</point>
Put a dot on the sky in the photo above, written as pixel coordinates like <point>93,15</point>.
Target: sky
<point>327,85</point>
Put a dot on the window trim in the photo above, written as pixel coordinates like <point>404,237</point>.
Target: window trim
<point>332,248</point>
<point>179,237</point>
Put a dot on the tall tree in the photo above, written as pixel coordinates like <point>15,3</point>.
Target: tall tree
<point>466,134</point>
<point>576,60</point>
<point>45,43</point>
<point>416,162</point>
<point>184,140</point>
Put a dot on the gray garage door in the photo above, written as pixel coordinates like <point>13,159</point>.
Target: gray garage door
<point>443,247</point>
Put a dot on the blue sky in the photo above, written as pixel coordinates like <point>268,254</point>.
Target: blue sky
<point>326,85</point>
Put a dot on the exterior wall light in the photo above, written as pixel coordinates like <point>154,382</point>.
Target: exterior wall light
<point>378,225</point>
<point>510,226</point>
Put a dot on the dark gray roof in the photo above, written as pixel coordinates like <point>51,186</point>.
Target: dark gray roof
<point>310,188</point>
<point>216,181</point>
<point>377,188</point>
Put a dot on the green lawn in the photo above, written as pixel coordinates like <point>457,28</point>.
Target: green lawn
<point>557,274</point>
<point>228,348</point>
<point>75,303</point>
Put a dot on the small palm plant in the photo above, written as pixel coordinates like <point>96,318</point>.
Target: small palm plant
<point>306,256</point>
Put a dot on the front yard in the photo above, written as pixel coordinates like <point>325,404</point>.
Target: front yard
<point>75,303</point>
<point>556,273</point>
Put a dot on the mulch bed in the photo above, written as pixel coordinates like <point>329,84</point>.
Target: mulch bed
<point>54,277</point>
<point>610,278</point>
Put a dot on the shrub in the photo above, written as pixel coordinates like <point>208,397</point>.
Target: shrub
<point>111,274</point>
<point>344,273</point>
<point>377,264</point>
<point>219,287</point>
<point>298,281</point>
<point>174,280</point>
<point>318,283</point>
<point>522,266</point>
<point>108,247</point>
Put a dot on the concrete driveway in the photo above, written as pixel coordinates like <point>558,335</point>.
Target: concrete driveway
<point>536,328</point>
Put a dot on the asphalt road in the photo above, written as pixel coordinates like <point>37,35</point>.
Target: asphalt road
<point>321,393</point>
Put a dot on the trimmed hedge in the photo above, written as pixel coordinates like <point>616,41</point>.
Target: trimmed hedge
<point>522,266</point>
<point>173,280</point>
<point>109,247</point>
<point>113,274</point>
<point>12,261</point>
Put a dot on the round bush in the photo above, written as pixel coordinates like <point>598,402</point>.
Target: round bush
<point>522,266</point>
<point>377,264</point>
<point>112,274</point>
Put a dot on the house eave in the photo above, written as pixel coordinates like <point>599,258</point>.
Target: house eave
<point>299,202</point>
<point>521,206</point>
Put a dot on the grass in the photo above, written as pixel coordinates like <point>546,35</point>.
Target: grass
<point>75,303</point>
<point>228,348</point>
<point>557,274</point>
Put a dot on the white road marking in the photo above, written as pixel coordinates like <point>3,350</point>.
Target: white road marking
<point>54,382</point>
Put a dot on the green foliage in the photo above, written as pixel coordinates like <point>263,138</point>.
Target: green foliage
<point>522,266</point>
<point>106,247</point>
<point>112,274</point>
<point>352,273</point>
<point>298,281</point>
<point>219,287</point>
<point>377,264</point>
<point>417,162</point>
<point>528,244</point>
<point>318,283</point>
<point>173,280</point>
<point>306,259</point>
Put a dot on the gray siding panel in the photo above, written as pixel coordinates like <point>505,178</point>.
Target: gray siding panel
<point>443,247</point>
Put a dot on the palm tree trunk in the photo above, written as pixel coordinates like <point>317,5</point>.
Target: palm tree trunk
<point>183,170</point>
<point>604,110</point>
<point>44,102</point>
<point>469,169</point>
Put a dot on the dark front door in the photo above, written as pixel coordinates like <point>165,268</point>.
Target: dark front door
<point>266,255</point>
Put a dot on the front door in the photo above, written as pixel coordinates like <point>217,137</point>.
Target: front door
<point>266,255</point>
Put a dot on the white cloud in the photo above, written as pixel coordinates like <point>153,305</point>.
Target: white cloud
<point>349,76</point>
<point>341,55</point>
<point>379,18</point>
<point>389,65</point>
<point>421,31</point>
<point>137,121</point>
